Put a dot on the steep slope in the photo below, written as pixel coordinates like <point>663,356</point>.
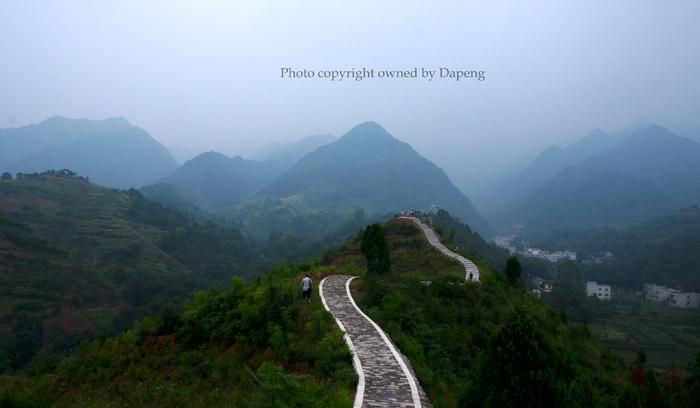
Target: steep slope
<point>77,259</point>
<point>260,345</point>
<point>213,180</point>
<point>544,167</point>
<point>367,168</point>
<point>650,173</point>
<point>111,152</point>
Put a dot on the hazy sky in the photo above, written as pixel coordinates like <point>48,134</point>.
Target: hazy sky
<point>206,74</point>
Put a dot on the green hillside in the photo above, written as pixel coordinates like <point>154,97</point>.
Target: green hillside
<point>256,345</point>
<point>450,331</point>
<point>77,259</point>
<point>664,250</point>
<point>260,345</point>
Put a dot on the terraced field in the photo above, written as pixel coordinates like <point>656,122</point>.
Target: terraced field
<point>666,335</point>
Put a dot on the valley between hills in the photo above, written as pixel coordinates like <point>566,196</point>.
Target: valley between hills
<point>131,280</point>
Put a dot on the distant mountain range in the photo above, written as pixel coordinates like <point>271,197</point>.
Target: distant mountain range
<point>111,152</point>
<point>319,179</point>
<point>368,168</point>
<point>601,180</point>
<point>544,168</point>
<point>284,156</point>
<point>213,181</point>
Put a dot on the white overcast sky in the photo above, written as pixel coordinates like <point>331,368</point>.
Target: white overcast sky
<point>206,74</point>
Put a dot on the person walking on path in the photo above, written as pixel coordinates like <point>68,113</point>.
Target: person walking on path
<point>306,288</point>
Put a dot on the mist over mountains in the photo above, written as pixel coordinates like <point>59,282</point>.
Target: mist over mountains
<point>213,180</point>
<point>100,258</point>
<point>111,152</point>
<point>366,170</point>
<point>543,168</point>
<point>601,180</point>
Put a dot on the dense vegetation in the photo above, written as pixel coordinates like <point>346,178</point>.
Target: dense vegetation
<point>77,259</point>
<point>256,345</point>
<point>452,332</point>
<point>664,250</point>
<point>488,344</point>
<point>493,344</point>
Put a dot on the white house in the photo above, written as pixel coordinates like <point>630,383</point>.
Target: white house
<point>671,297</point>
<point>685,300</point>
<point>656,293</point>
<point>602,292</point>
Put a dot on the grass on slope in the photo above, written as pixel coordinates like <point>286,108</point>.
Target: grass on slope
<point>257,345</point>
<point>452,332</point>
<point>77,259</point>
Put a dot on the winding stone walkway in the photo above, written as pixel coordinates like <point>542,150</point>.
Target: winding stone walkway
<point>385,376</point>
<point>471,271</point>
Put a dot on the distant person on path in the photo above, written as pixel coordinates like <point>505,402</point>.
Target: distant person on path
<point>306,288</point>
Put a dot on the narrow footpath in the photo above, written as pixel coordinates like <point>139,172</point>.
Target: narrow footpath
<point>385,377</point>
<point>471,271</point>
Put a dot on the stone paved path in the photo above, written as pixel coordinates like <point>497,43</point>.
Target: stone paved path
<point>471,271</point>
<point>385,376</point>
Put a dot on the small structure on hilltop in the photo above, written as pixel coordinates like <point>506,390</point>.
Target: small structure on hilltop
<point>671,297</point>
<point>601,291</point>
<point>433,209</point>
<point>542,285</point>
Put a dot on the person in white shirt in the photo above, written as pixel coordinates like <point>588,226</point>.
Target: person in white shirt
<point>306,288</point>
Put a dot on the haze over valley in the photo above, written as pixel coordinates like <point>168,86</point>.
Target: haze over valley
<point>197,209</point>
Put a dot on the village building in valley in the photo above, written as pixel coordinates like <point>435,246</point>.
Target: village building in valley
<point>599,290</point>
<point>671,297</point>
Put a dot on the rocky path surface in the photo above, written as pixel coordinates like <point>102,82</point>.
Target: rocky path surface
<point>385,376</point>
<point>471,271</point>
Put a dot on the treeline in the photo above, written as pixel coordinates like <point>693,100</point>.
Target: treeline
<point>67,173</point>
